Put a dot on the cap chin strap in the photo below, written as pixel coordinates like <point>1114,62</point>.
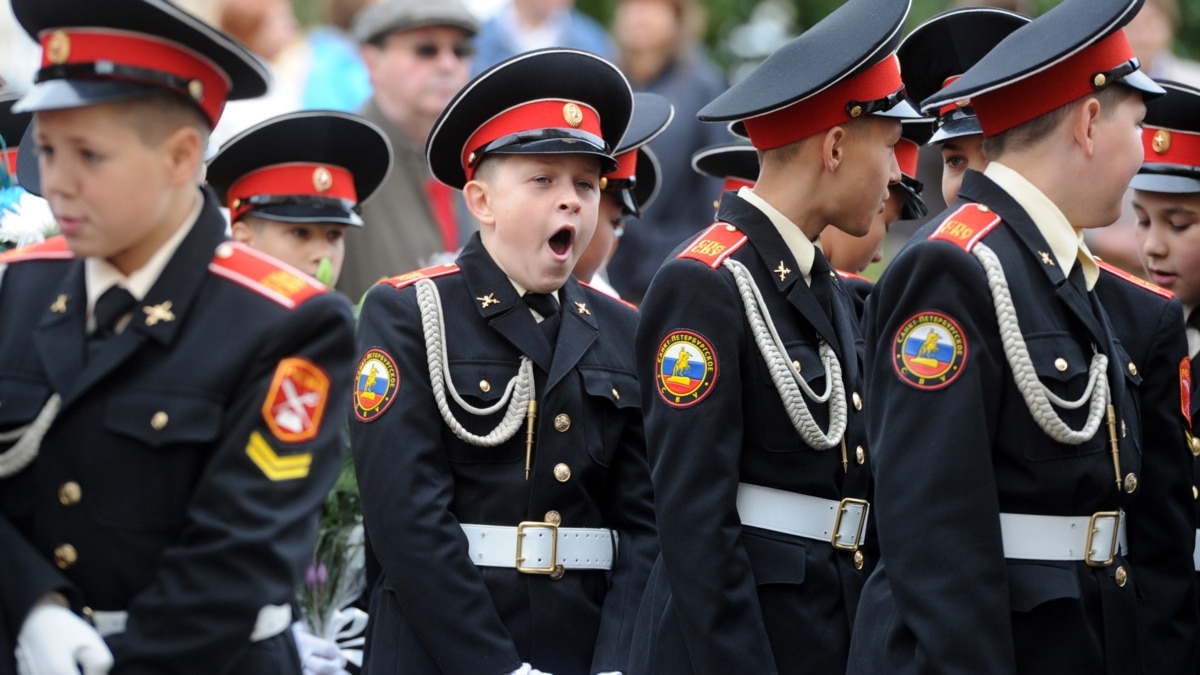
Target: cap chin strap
<point>517,393</point>
<point>1038,397</point>
<point>787,380</point>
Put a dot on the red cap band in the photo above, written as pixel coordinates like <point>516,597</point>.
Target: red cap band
<point>1166,146</point>
<point>291,180</point>
<point>626,166</point>
<point>545,114</point>
<point>1073,78</point>
<point>907,154</point>
<point>824,110</point>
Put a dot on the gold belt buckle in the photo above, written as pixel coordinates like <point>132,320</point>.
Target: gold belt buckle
<point>526,569</point>
<point>837,524</point>
<point>1112,549</point>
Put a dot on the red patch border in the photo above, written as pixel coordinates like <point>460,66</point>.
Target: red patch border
<point>897,359</point>
<point>312,370</point>
<point>658,368</point>
<point>392,388</point>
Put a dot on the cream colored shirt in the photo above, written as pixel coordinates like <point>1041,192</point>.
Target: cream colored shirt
<point>803,250</point>
<point>1065,240</point>
<point>100,275</point>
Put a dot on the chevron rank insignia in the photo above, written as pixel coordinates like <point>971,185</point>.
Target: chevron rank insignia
<point>274,466</point>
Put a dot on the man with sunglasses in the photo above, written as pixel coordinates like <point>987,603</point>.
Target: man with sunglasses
<point>418,55</point>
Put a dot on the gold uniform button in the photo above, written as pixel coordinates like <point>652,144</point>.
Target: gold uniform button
<point>562,473</point>
<point>616,394</point>
<point>88,614</point>
<point>1121,576</point>
<point>553,517</point>
<point>859,560</point>
<point>1195,492</point>
<point>857,401</point>
<point>562,422</point>
<point>796,365</point>
<point>1196,446</point>
<point>1131,482</point>
<point>1132,368</point>
<point>982,208</point>
<point>224,251</point>
<point>1060,364</point>
<point>860,454</point>
<point>65,556</point>
<point>70,493</point>
<point>159,421</point>
<point>485,386</point>
<point>730,228</point>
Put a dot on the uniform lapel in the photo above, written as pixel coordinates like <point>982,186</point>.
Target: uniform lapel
<point>59,336</point>
<point>577,333</point>
<point>498,303</point>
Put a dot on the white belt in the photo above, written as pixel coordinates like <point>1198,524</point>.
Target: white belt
<point>272,620</point>
<point>541,548</point>
<point>1094,539</point>
<point>841,524</point>
<point>1196,552</point>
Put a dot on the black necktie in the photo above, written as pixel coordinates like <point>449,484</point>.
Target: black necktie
<point>546,305</point>
<point>113,304</point>
<point>820,282</point>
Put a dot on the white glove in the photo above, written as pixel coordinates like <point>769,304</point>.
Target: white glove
<point>527,669</point>
<point>318,656</point>
<point>53,641</point>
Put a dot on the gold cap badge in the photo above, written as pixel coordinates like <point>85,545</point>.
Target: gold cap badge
<point>58,48</point>
<point>322,179</point>
<point>1161,142</point>
<point>572,115</point>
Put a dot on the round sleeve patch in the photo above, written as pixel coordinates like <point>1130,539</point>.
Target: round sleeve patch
<point>375,384</point>
<point>685,368</point>
<point>929,350</point>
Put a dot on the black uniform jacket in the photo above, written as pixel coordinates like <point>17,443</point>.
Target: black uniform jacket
<point>432,609</point>
<point>859,288</point>
<point>724,598</point>
<point>953,453</point>
<point>178,482</point>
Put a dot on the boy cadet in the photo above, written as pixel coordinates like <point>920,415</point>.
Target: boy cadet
<point>153,495</point>
<point>293,185</point>
<point>514,524</point>
<point>1166,199</point>
<point>752,387</point>
<point>1036,509</point>
<point>1143,318</point>
<point>628,189</point>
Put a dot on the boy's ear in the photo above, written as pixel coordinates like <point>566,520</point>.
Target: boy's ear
<point>242,232</point>
<point>478,196</point>
<point>184,153</point>
<point>1083,124</point>
<point>833,149</point>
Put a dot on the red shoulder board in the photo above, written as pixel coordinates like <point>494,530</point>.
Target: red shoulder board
<point>715,244</point>
<point>1135,280</point>
<point>851,275</point>
<point>628,304</point>
<point>270,278</point>
<point>410,278</point>
<point>966,226</point>
<point>54,248</point>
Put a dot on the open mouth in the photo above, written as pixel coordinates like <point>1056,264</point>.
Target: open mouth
<point>561,242</point>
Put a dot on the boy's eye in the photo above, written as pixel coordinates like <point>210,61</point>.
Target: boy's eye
<point>955,161</point>
<point>1180,227</point>
<point>541,180</point>
<point>90,156</point>
<point>299,233</point>
<point>584,184</point>
<point>334,235</point>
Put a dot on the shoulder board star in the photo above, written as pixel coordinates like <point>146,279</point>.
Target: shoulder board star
<point>410,278</point>
<point>715,245</point>
<point>966,226</point>
<point>160,312</point>
<point>263,274</point>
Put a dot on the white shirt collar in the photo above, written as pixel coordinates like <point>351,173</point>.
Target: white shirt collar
<point>803,250</point>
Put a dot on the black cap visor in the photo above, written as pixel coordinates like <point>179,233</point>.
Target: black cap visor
<point>304,210</point>
<point>551,141</point>
<point>956,124</point>
<point>1167,178</point>
<point>66,94</point>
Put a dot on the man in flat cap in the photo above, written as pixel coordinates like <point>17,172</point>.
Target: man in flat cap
<point>749,353</point>
<point>418,55</point>
<point>1027,523</point>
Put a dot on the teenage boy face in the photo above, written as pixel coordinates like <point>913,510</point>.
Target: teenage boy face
<point>604,240</point>
<point>854,254</point>
<point>115,194</point>
<point>301,245</point>
<point>1168,237</point>
<point>870,166</point>
<point>958,155</point>
<point>538,214</point>
<point>1118,155</point>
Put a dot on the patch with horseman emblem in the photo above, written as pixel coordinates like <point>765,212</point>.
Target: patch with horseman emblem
<point>686,368</point>
<point>929,350</point>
